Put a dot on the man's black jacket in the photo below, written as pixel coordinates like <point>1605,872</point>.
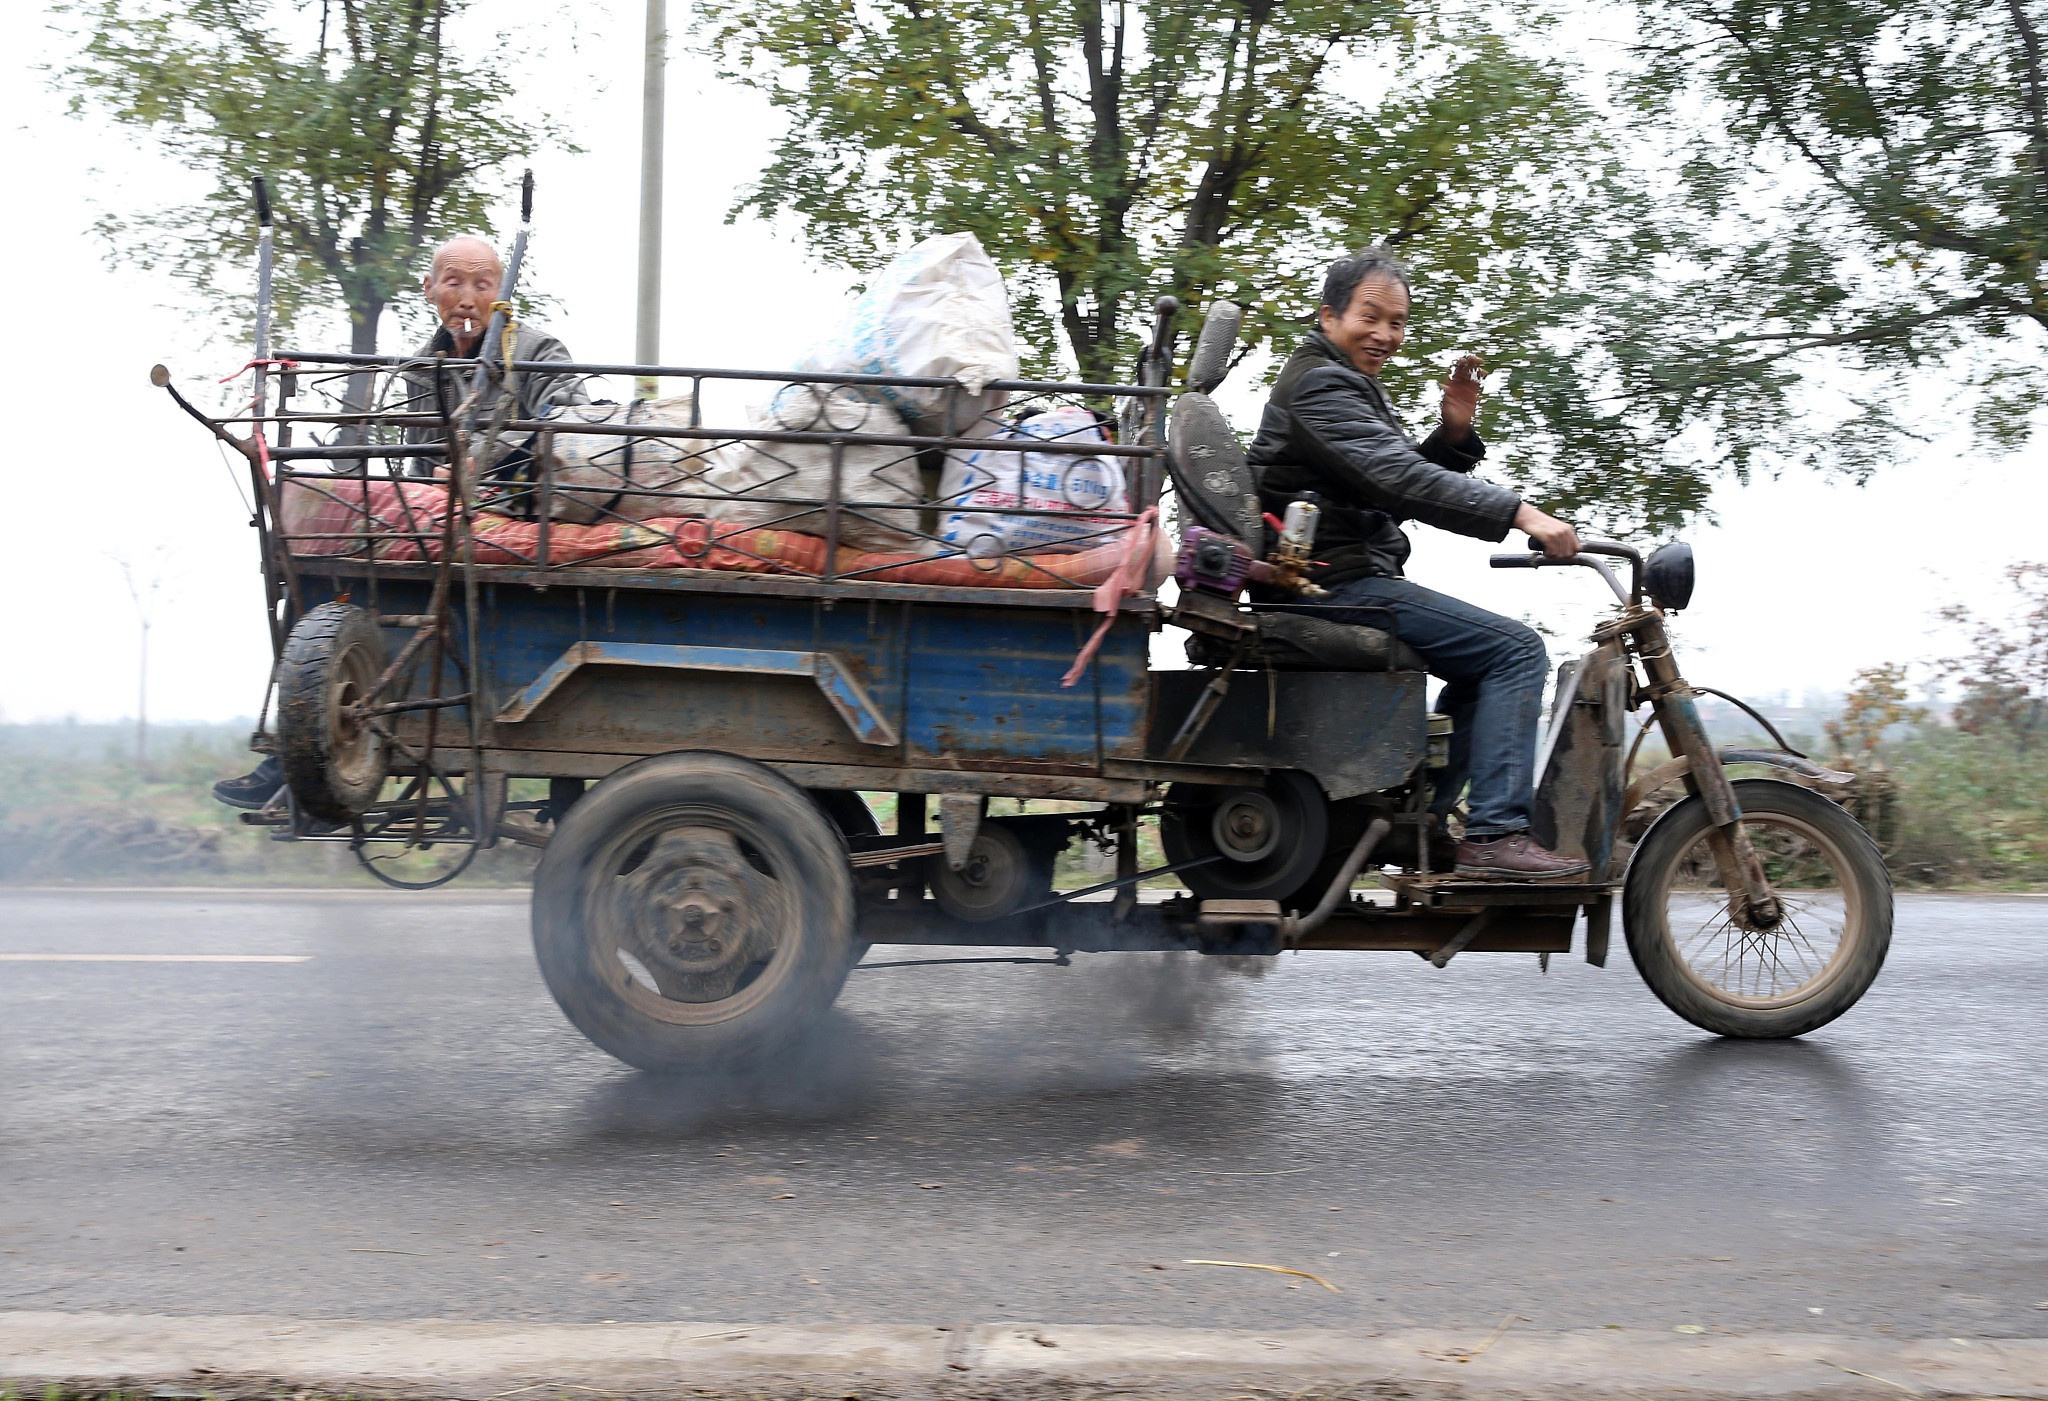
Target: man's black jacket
<point>1331,430</point>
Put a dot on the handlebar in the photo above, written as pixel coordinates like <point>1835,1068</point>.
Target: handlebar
<point>1588,557</point>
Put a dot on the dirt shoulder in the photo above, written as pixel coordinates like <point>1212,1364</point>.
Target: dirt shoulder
<point>97,1354</point>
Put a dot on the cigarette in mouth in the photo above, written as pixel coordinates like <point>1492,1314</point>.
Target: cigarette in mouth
<point>468,327</point>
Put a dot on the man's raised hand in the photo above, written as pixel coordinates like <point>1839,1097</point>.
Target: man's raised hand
<point>1462,392</point>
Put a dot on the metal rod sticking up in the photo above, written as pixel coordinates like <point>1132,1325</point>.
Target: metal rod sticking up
<point>494,329</point>
<point>653,126</point>
<point>265,259</point>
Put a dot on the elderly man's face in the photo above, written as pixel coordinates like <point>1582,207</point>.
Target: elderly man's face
<point>1372,328</point>
<point>462,284</point>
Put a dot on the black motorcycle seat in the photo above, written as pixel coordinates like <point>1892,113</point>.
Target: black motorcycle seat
<point>1303,642</point>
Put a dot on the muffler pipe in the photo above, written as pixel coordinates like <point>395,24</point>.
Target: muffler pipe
<point>1295,926</point>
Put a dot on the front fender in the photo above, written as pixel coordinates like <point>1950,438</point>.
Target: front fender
<point>1672,769</point>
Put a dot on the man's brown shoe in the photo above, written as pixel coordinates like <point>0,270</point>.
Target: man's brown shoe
<point>1515,857</point>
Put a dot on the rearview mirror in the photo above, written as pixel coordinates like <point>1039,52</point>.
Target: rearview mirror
<point>1210,363</point>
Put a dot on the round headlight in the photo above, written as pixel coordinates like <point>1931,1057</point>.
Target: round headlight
<point>1667,576</point>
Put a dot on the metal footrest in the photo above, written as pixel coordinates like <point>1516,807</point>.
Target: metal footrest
<point>1455,892</point>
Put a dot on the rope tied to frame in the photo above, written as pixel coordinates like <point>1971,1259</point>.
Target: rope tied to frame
<point>1111,592</point>
<point>510,339</point>
<point>256,429</point>
<point>266,364</point>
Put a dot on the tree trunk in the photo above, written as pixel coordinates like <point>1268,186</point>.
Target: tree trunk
<point>362,387</point>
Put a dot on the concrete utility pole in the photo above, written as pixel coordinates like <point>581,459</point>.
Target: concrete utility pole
<point>143,590</point>
<point>647,336</point>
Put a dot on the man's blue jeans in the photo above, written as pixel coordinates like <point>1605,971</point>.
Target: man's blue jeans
<point>1494,669</point>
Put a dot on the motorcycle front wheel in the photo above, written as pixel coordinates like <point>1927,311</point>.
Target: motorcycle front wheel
<point>1790,977</point>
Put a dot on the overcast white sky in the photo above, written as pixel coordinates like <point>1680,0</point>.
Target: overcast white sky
<point>1802,580</point>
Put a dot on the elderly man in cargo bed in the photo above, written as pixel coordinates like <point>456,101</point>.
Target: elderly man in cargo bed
<point>464,280</point>
<point>1330,429</point>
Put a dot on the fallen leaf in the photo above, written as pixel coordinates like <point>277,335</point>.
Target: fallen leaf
<point>1688,1328</point>
<point>1273,1269</point>
<point>930,1186</point>
<point>1460,1354</point>
<point>783,1197</point>
<point>1869,1376</point>
<point>1122,1147</point>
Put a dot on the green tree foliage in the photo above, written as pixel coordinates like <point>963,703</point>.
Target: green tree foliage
<point>1869,189</point>
<point>1105,152</point>
<point>378,138</point>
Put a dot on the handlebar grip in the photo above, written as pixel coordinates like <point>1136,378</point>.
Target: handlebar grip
<point>526,198</point>
<point>1513,561</point>
<point>262,201</point>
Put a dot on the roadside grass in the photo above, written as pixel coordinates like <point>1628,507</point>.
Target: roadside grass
<point>1971,810</point>
<point>76,806</point>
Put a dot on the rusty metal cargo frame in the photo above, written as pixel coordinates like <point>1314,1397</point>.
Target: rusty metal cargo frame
<point>460,582</point>
<point>368,536</point>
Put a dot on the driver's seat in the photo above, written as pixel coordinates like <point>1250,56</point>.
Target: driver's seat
<point>1219,489</point>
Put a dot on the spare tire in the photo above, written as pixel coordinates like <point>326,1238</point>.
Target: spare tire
<point>333,762</point>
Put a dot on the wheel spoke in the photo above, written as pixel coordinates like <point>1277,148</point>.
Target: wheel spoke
<point>1759,964</point>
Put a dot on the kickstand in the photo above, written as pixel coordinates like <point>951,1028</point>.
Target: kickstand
<point>1462,940</point>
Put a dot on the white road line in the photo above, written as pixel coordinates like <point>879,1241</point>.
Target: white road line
<point>156,958</point>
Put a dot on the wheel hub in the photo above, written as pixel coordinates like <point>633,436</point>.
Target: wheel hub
<point>1246,825</point>
<point>353,745</point>
<point>697,914</point>
<point>999,877</point>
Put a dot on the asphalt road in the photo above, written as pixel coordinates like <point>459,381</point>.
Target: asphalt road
<point>402,1125</point>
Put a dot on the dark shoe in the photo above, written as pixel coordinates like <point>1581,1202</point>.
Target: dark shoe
<point>253,789</point>
<point>1515,857</point>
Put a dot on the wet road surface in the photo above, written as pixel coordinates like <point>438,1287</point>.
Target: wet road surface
<point>403,1125</point>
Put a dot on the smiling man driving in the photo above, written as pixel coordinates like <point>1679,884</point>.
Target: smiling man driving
<point>1329,428</point>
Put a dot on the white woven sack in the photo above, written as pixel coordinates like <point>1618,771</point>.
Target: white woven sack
<point>882,473</point>
<point>938,310</point>
<point>977,486</point>
<point>600,477</point>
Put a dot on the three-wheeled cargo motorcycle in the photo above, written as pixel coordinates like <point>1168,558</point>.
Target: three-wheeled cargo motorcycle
<point>706,676</point>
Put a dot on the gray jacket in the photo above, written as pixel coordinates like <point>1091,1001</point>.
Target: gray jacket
<point>1331,430</point>
<point>538,391</point>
